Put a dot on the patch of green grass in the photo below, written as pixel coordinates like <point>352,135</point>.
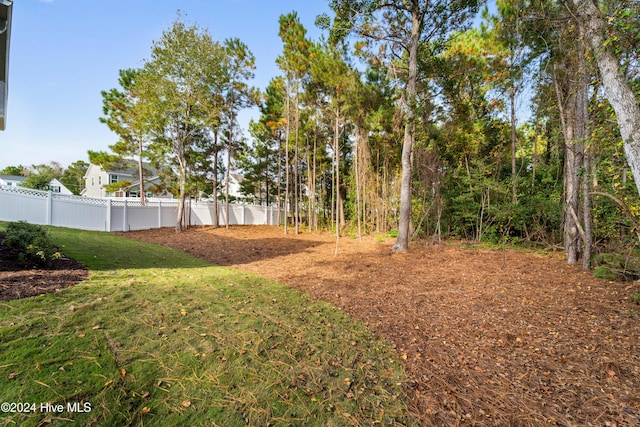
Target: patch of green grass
<point>157,337</point>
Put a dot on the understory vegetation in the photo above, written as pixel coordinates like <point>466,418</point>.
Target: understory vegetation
<point>503,134</point>
<point>157,337</point>
<point>436,118</point>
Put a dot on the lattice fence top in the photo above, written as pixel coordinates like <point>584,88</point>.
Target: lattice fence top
<point>44,194</point>
<point>24,191</point>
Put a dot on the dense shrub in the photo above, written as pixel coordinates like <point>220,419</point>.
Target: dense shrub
<point>31,243</point>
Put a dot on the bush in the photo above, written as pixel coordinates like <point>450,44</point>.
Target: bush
<point>32,243</point>
<point>617,266</point>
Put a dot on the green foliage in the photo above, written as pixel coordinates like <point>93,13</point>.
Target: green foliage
<point>618,265</point>
<point>13,170</point>
<point>73,176</point>
<point>32,243</point>
<point>38,181</point>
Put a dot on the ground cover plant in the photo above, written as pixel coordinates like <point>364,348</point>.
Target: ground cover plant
<point>31,243</point>
<point>158,337</point>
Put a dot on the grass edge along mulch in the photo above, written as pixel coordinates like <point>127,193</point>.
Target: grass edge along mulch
<point>157,337</point>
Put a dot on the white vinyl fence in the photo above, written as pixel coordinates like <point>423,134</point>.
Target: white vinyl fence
<point>47,208</point>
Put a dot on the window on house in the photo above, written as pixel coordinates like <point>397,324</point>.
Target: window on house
<point>100,180</point>
<point>92,181</point>
<point>113,179</point>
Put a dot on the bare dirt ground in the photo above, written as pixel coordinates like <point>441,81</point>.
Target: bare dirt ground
<point>489,337</point>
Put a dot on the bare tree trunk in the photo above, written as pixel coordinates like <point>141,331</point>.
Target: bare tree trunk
<point>226,188</point>
<point>181,221</point>
<point>286,157</point>
<point>279,179</point>
<point>314,212</point>
<point>216,219</point>
<point>583,143</point>
<point>336,148</point>
<point>593,26</point>
<point>357,173</point>
<point>296,172</point>
<point>567,110</point>
<point>514,140</point>
<point>404,226</point>
<point>141,174</point>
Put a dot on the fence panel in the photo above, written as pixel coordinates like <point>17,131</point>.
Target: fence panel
<point>90,214</point>
<point>46,208</point>
<point>23,205</point>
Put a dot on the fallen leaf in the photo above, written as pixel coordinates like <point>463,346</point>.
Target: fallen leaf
<point>13,375</point>
<point>145,410</point>
<point>186,403</point>
<point>144,394</point>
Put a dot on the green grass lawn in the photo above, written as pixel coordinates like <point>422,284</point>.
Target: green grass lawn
<point>158,337</point>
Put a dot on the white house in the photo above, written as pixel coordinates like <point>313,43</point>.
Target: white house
<point>234,186</point>
<point>16,181</point>
<point>97,177</point>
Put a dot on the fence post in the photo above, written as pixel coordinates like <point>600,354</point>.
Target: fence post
<point>124,216</point>
<point>49,207</point>
<point>244,214</point>
<point>159,213</point>
<point>108,225</point>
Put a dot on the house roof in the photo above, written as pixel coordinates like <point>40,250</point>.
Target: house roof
<point>5,33</point>
<point>133,170</point>
<point>239,178</point>
<point>19,178</point>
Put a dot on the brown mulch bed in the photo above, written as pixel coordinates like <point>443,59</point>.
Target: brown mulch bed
<point>20,281</point>
<point>489,337</point>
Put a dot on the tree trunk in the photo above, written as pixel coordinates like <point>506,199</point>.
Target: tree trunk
<point>336,149</point>
<point>140,174</point>
<point>514,138</point>
<point>226,187</point>
<point>567,109</point>
<point>357,176</point>
<point>593,26</point>
<point>279,180</point>
<point>583,141</point>
<point>404,226</point>
<point>216,220</point>
<point>296,172</point>
<point>286,157</point>
<point>181,221</point>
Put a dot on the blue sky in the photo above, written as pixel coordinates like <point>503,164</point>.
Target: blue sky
<point>64,52</point>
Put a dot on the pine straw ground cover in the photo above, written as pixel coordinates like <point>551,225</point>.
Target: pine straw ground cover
<point>156,337</point>
<point>488,337</point>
